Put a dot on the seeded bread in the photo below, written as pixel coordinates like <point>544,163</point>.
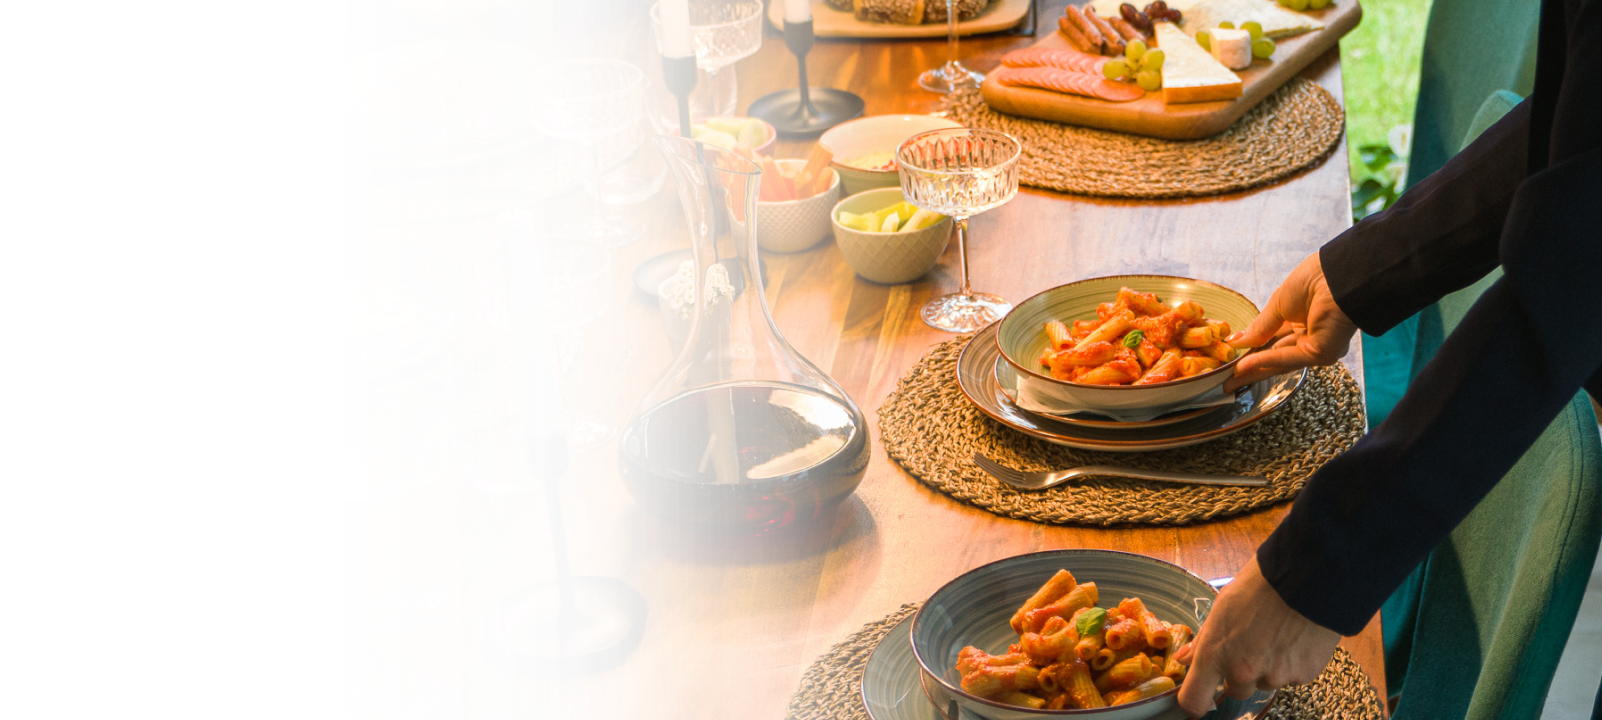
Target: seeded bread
<point>935,10</point>
<point>912,12</point>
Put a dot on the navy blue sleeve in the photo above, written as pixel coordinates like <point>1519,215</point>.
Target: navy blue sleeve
<point>1529,344</point>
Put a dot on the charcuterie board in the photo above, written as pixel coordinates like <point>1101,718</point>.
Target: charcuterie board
<point>828,22</point>
<point>1150,116</point>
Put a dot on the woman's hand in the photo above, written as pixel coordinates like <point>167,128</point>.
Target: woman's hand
<point>1310,327</point>
<point>1251,640</point>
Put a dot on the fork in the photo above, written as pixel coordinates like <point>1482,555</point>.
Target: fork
<point>1042,480</point>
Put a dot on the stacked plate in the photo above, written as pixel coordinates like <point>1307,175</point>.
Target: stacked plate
<point>991,384</point>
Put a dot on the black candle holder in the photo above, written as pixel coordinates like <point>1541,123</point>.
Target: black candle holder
<point>567,626</point>
<point>805,110</point>
<point>678,75</point>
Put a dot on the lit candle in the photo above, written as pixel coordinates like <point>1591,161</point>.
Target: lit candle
<point>797,11</point>
<point>676,41</point>
<point>542,401</point>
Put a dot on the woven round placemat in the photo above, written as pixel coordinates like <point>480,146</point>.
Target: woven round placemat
<point>545,169</point>
<point>831,689</point>
<point>932,430</point>
<point>1294,128</point>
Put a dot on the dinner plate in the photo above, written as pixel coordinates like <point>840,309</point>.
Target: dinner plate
<point>986,383</point>
<point>648,276</point>
<point>891,689</point>
<point>425,371</point>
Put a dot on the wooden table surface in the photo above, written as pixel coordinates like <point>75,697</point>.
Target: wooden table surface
<point>734,623</point>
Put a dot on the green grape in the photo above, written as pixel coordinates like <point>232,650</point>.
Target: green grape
<point>1150,80</point>
<point>1205,39</point>
<point>1134,50</point>
<point>1317,4</point>
<point>1227,25</point>
<point>1298,5</point>
<point>1152,60</point>
<point>1263,48</point>
<point>1115,69</point>
<point>1253,27</point>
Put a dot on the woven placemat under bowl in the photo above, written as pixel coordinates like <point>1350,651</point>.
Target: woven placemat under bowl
<point>1290,130</point>
<point>932,430</point>
<point>831,689</point>
<point>545,169</point>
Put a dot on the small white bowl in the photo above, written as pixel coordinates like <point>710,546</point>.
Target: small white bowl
<point>888,258</point>
<point>876,134</point>
<point>791,226</point>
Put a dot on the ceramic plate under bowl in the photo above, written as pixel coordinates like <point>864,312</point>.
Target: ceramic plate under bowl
<point>1022,339</point>
<point>974,609</point>
<point>982,376</point>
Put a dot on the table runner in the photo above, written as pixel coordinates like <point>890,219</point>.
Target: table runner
<point>932,430</point>
<point>831,689</point>
<point>1290,130</point>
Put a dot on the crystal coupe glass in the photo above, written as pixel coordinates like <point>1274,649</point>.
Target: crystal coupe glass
<point>960,172</point>
<point>589,101</point>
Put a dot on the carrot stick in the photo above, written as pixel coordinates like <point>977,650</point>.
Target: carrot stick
<point>818,160</point>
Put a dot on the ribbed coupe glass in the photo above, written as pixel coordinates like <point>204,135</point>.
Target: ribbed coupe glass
<point>588,101</point>
<point>960,172</point>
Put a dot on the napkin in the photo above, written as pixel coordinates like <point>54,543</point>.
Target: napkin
<point>1032,398</point>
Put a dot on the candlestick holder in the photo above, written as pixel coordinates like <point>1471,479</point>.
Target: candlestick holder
<point>567,626</point>
<point>805,110</point>
<point>678,75</point>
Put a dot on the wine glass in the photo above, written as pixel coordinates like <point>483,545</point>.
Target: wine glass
<point>724,32</point>
<point>394,443</point>
<point>953,75</point>
<point>575,279</point>
<point>589,101</point>
<point>960,172</point>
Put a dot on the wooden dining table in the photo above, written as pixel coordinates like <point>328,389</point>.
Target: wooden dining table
<point>733,622</point>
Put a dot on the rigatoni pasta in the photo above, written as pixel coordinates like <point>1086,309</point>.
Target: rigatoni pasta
<point>1136,340</point>
<point>1072,654</point>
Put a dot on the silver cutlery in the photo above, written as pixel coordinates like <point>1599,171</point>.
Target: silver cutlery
<point>1041,480</point>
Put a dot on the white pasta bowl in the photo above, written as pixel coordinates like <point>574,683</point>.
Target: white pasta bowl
<point>1021,338</point>
<point>791,226</point>
<point>975,608</point>
<point>874,135</point>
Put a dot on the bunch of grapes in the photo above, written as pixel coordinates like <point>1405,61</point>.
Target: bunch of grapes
<point>1145,66</point>
<point>1300,5</point>
<point>1261,47</point>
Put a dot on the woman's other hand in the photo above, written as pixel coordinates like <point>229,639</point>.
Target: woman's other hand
<point>1302,321</point>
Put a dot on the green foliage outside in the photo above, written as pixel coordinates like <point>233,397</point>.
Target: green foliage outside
<point>1379,66</point>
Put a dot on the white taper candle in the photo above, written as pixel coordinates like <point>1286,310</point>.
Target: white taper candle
<point>676,40</point>
<point>542,400</point>
<point>797,11</point>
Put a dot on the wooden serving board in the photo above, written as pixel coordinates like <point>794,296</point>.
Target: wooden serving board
<point>827,22</point>
<point>1150,116</point>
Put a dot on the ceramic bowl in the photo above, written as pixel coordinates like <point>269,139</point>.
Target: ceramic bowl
<point>425,276</point>
<point>1021,339</point>
<point>791,226</point>
<point>975,608</point>
<point>766,147</point>
<point>887,258</point>
<point>869,136</point>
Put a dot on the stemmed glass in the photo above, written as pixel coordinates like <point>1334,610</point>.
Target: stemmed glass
<point>724,32</point>
<point>589,101</point>
<point>394,443</point>
<point>960,172</point>
<point>575,278</point>
<point>953,75</point>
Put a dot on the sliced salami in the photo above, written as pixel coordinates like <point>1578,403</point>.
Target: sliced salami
<point>1114,91</point>
<point>1055,57</point>
<point>1057,79</point>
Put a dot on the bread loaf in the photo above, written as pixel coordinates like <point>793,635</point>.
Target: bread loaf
<point>935,10</point>
<point>911,12</point>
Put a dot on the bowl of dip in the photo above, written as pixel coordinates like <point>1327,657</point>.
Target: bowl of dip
<point>865,149</point>
<point>399,302</point>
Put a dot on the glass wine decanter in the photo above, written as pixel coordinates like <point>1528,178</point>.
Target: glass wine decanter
<point>741,432</point>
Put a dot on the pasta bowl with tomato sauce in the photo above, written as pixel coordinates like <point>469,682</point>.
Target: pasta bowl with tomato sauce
<point>1128,346</point>
<point>979,639</point>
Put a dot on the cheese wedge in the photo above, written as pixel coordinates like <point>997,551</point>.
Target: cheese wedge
<point>1277,21</point>
<point>1190,74</point>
